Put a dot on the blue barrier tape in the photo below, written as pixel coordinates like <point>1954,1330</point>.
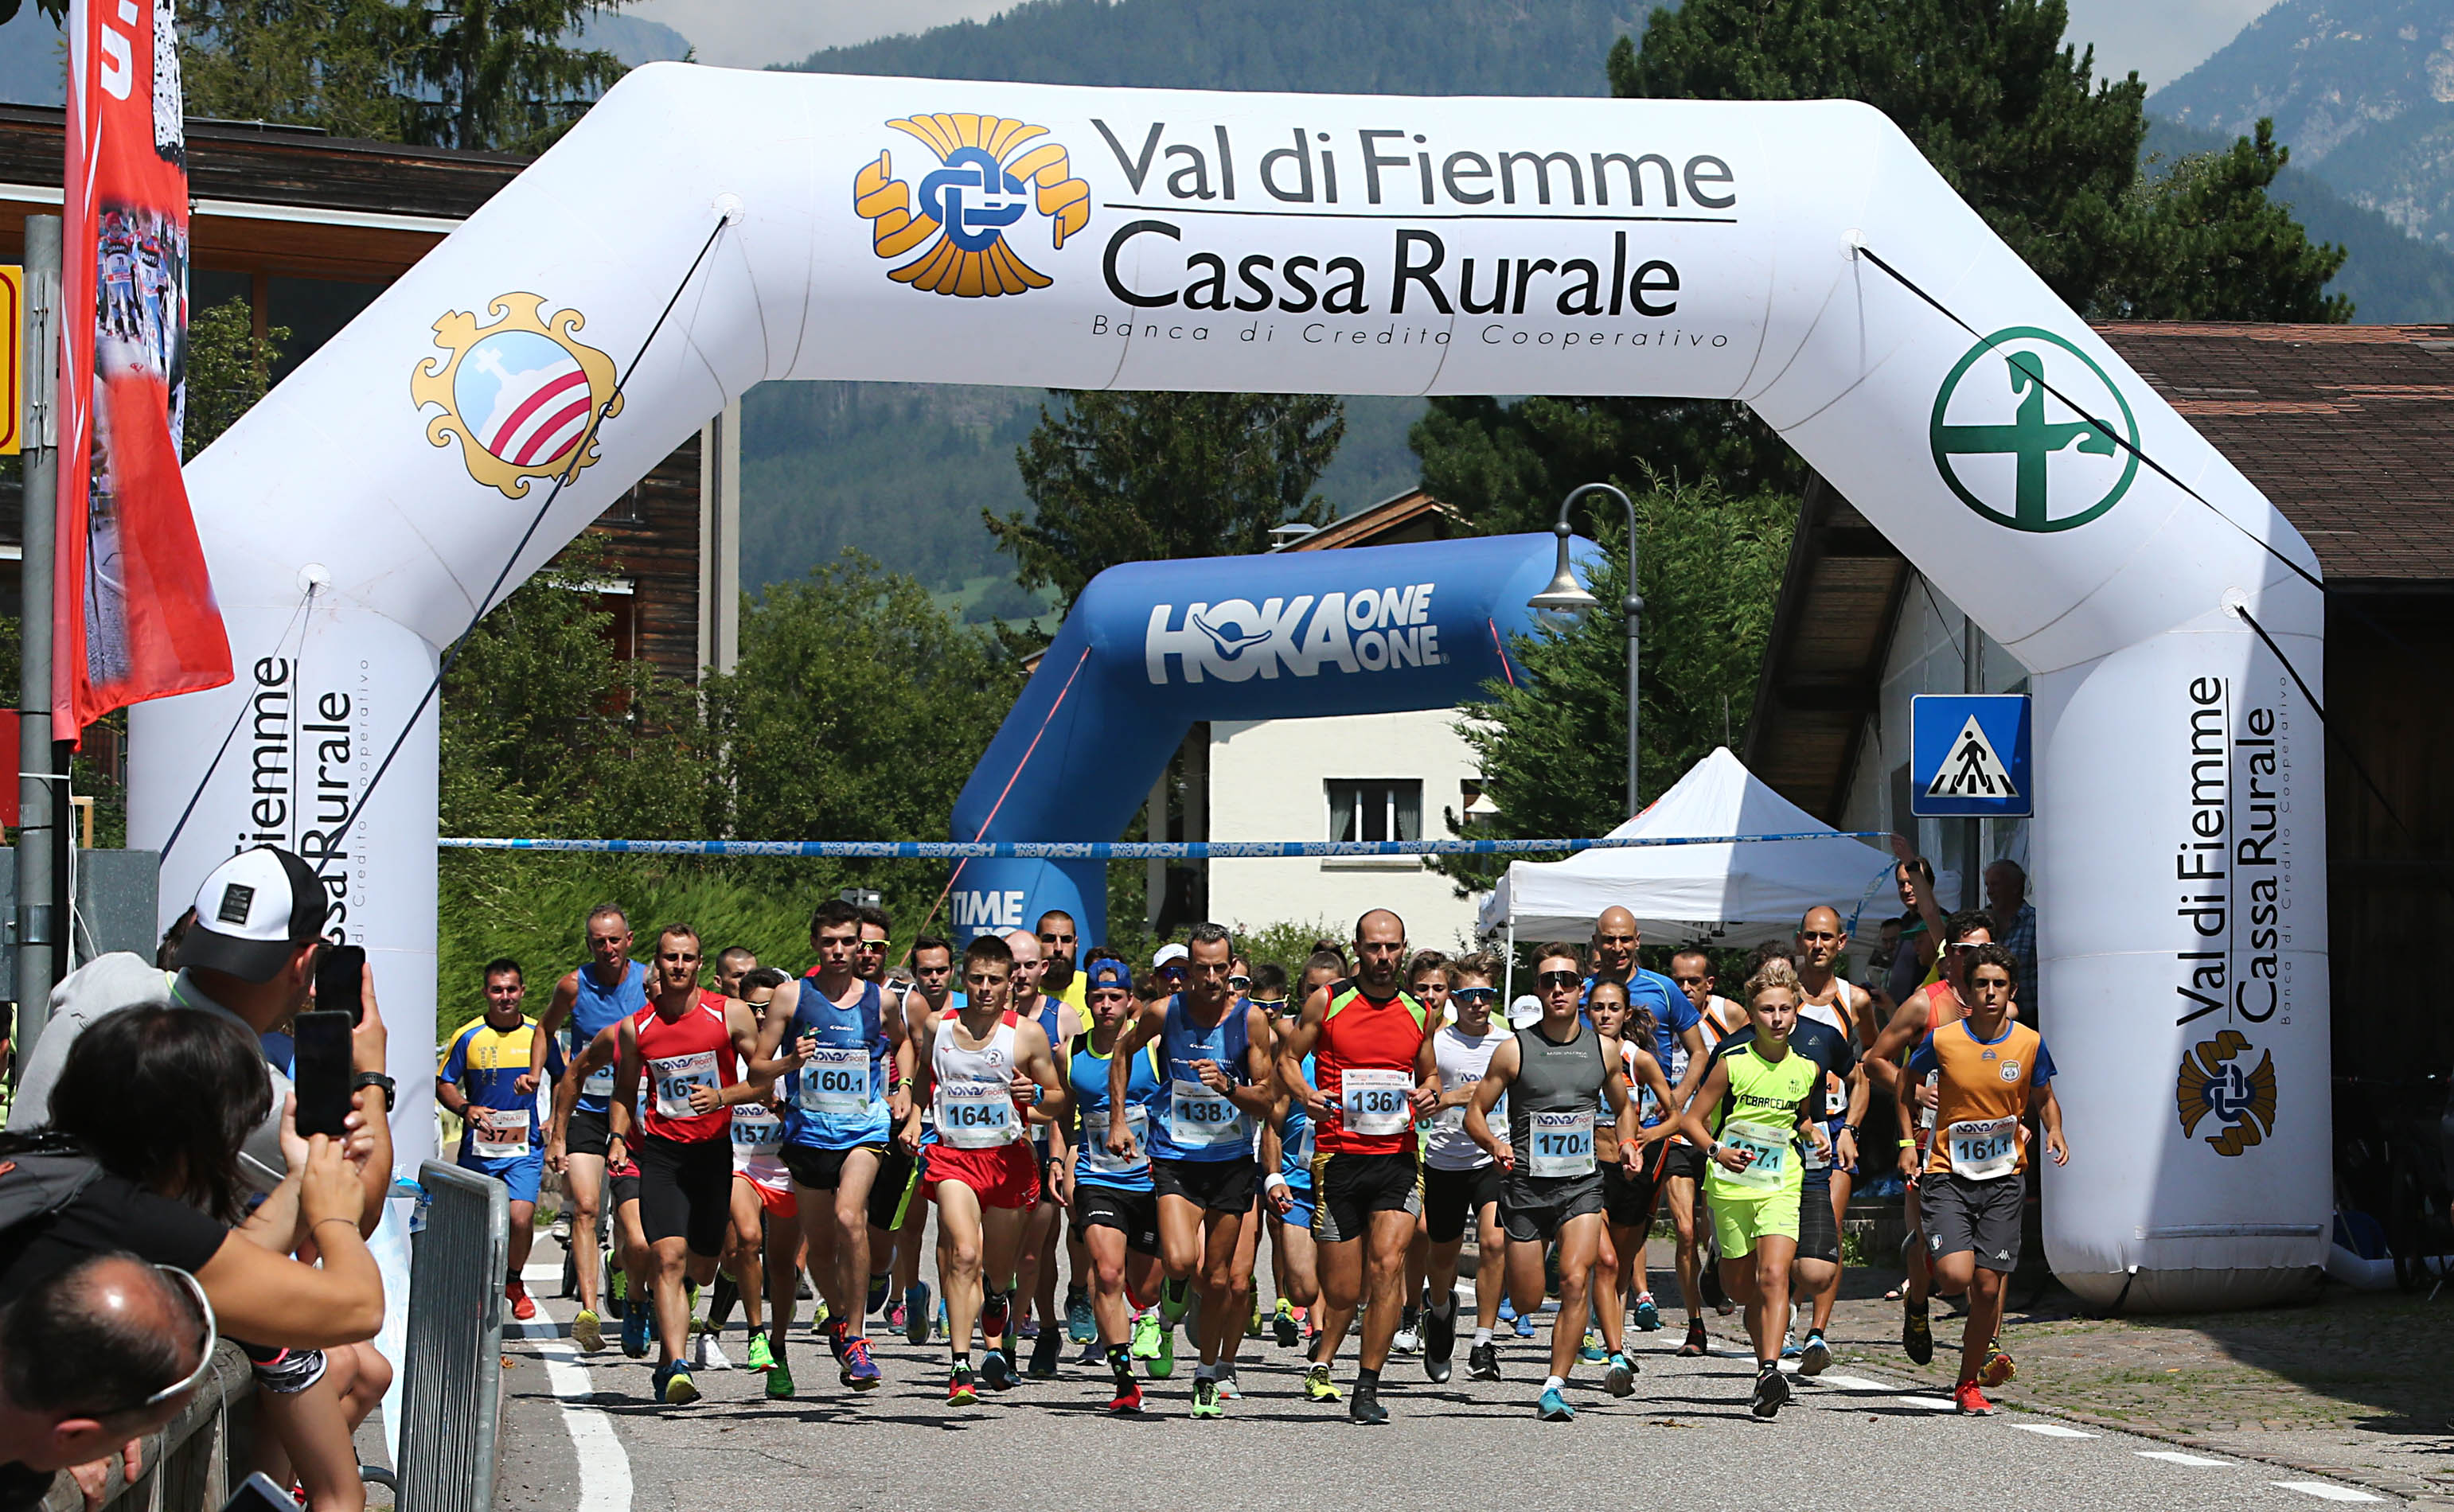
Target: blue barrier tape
<point>1123,850</point>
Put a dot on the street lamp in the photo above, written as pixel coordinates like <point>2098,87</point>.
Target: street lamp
<point>1566,596</point>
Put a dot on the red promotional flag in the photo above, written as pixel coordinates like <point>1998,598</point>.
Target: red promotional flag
<point>132,608</point>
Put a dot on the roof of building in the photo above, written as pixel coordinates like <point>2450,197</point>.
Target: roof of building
<point>1413,515</point>
<point>2344,427</point>
<point>276,199</point>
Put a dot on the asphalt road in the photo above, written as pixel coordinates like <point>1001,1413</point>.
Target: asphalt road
<point>1684,1438</point>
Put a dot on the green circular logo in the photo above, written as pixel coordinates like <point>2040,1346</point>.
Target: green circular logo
<point>2022,456</point>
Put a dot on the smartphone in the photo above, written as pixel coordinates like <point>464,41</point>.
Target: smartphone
<point>340,980</point>
<point>259,1494</point>
<point>320,1071</point>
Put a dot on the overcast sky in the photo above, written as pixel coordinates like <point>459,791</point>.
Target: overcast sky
<point>2161,39</point>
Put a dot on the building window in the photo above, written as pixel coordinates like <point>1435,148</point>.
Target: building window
<point>1376,808</point>
<point>629,508</point>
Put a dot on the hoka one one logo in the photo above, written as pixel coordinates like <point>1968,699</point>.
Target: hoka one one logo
<point>1371,629</point>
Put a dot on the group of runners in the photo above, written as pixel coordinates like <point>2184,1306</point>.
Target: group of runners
<point>736,1128</point>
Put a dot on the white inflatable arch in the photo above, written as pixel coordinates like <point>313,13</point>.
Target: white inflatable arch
<point>936,231</point>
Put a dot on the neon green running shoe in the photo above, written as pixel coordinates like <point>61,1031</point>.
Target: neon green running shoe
<point>761,1357</point>
<point>1146,1332</point>
<point>780,1382</point>
<point>1163,1364</point>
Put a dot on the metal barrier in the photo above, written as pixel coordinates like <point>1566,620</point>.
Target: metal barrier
<point>451,1386</point>
<point>194,1462</point>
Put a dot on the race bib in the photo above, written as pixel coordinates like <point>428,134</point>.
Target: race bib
<point>599,1083</point>
<point>1093,1159</point>
<point>498,1134</point>
<point>757,1132</point>
<point>1767,1149</point>
<point>675,1075</point>
<point>1454,1118</point>
<point>834,1080</point>
<point>1374,1101</point>
<point>1836,1097</point>
<point>1984,1149</point>
<point>974,1115</point>
<point>1300,1151</point>
<point>1201,1119</point>
<point>1563,1143</point>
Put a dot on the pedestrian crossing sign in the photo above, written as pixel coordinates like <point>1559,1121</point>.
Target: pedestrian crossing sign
<point>1968,756</point>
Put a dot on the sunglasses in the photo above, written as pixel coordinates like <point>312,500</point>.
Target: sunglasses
<point>1172,970</point>
<point>1474,997</point>
<point>870,945</point>
<point>1272,1006</point>
<point>1558,979</point>
<point>1966,949</point>
<point>1239,984</point>
<point>195,1289</point>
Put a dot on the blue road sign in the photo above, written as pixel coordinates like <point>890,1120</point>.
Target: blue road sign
<point>1968,756</point>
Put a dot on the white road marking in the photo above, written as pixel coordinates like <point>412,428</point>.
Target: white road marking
<point>2325,1490</point>
<point>539,1328</point>
<point>1851,1383</point>
<point>2176,1457</point>
<point>1929,1403</point>
<point>604,1466</point>
<point>2051,1430</point>
<point>551,1273</point>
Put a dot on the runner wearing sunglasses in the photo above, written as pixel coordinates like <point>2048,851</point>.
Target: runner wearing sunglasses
<point>1461,1181</point>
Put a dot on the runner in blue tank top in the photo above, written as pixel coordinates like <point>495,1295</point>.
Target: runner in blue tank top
<point>1288,1193</point>
<point>847,1089</point>
<point>1218,1054</point>
<point>1111,1196</point>
<point>610,988</point>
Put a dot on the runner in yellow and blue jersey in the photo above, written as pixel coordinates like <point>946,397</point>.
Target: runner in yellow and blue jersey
<point>501,1134</point>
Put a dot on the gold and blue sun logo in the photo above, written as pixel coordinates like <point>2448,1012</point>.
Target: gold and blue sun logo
<point>2213,1084</point>
<point>520,395</point>
<point>989,178</point>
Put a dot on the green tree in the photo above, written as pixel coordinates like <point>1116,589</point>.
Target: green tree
<point>2211,246</point>
<point>230,368</point>
<point>1553,745</point>
<point>1133,477</point>
<point>321,63</point>
<point>496,74</point>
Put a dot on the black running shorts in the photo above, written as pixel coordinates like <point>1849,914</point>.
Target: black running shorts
<point>686,1191</point>
<point>1453,1201</point>
<point>1349,1188</point>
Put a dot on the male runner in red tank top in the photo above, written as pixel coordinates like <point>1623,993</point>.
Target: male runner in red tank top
<point>1372,1048</point>
<point>692,1047</point>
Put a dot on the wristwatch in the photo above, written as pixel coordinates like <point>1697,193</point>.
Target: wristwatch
<point>367,1079</point>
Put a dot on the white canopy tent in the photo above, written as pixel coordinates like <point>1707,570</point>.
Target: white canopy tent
<point>1729,895</point>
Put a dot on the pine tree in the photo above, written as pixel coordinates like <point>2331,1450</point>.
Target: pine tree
<point>495,74</point>
<point>1131,477</point>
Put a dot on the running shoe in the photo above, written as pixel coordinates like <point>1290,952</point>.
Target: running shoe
<point>1772,1394</point>
<point>1205,1398</point>
<point>1227,1388</point>
<point>516,1293</point>
<point>835,1336</point>
<point>1440,1340</point>
<point>1410,1337</point>
<point>587,1331</point>
<point>780,1382</point>
<point>1917,1333</point>
<point>997,1372</point>
<point>673,1385</point>
<point>958,1388</point>
<point>1696,1344</point>
<point>1507,1309</point>
<point>1163,1364</point>
<point>1971,1401</point>
<point>916,1312</point>
<point>634,1333</point>
<point>878,1287</point>
<point>897,1316</point>
<point>1591,1351</point>
<point>1174,1297</point>
<point>762,1357</point>
<point>1093,1353</point>
<point>858,1371</point>
<point>1648,1317</point>
<point>996,1316</point>
<point>1524,1326</point>
<point>1619,1380</point>
<point>1318,1386</point>
<point>1030,1327</point>
<point>1146,1336</point>
<point>1127,1398</point>
<point>1555,1407</point>
<point>1817,1357</point>
<point>820,1317</point>
<point>1282,1324</point>
<point>1043,1356</point>
<point>618,1295</point>
<point>1482,1362</point>
<point>1999,1368</point>
<point>1252,1327</point>
<point>1364,1406</point>
<point>1081,1324</point>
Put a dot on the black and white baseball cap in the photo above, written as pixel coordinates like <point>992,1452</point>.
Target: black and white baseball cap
<point>253,913</point>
